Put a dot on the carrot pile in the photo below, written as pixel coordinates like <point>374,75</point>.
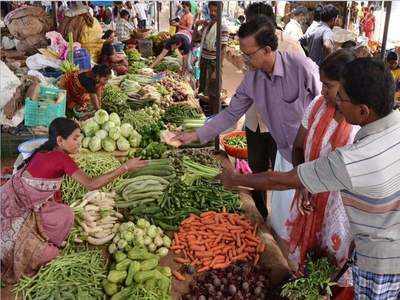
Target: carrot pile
<point>215,240</point>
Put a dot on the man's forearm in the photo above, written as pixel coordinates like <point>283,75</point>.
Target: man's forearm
<point>279,181</point>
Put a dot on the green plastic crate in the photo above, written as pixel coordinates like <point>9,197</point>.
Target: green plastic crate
<point>42,111</point>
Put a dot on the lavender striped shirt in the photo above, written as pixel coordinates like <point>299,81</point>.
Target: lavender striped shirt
<point>280,99</point>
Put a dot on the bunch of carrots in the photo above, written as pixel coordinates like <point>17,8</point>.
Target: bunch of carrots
<point>215,240</point>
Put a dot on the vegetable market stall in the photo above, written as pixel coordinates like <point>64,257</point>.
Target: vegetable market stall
<point>129,237</point>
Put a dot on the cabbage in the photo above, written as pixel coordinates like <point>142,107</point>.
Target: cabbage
<point>147,240</point>
<point>128,236</point>
<point>90,128</point>
<point>140,240</point>
<point>115,119</point>
<point>135,139</point>
<point>141,223</point>
<point>108,144</point>
<point>126,130</point>
<point>162,251</point>
<point>95,144</point>
<point>122,244</point>
<point>107,125</point>
<point>85,142</point>
<point>101,116</point>
<point>101,134</point>
<point>158,241</point>
<point>130,225</point>
<point>152,231</point>
<point>147,224</point>
<point>138,232</point>
<point>152,247</point>
<point>123,144</point>
<point>114,133</point>
<point>166,241</point>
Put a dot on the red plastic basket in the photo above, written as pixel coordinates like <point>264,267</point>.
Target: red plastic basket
<point>231,150</point>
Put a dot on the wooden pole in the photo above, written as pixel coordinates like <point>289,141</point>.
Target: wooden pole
<point>54,12</point>
<point>215,99</point>
<point>158,16</point>
<point>386,29</point>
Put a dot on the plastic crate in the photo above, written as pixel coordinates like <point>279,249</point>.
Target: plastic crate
<point>42,112</point>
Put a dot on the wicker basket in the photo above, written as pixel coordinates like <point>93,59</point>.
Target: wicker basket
<point>141,33</point>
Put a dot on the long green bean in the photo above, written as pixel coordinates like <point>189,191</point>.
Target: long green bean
<point>93,164</point>
<point>73,276</point>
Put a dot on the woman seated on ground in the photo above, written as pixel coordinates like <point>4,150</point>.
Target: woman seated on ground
<point>116,61</point>
<point>33,225</point>
<point>84,90</point>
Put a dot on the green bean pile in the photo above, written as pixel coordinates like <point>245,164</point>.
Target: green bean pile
<point>177,113</point>
<point>180,200</point>
<point>73,276</point>
<point>93,164</point>
<point>114,99</point>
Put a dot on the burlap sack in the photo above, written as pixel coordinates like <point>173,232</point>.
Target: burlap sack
<point>28,21</point>
<point>30,44</point>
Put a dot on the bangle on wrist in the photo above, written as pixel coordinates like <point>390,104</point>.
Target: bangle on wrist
<point>125,167</point>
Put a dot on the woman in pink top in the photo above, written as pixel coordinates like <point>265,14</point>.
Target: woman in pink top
<point>33,225</point>
<point>186,21</point>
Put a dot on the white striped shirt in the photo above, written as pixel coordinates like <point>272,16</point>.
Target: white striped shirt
<point>368,174</point>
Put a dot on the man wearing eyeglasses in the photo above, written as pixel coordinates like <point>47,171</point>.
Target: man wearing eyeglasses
<point>281,85</point>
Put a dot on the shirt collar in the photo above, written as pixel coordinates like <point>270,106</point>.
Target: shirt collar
<point>278,68</point>
<point>379,125</point>
<point>324,24</point>
<point>295,22</point>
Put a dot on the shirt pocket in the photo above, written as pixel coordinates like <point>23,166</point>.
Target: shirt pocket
<point>290,91</point>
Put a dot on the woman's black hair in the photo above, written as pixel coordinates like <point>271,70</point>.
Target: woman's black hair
<point>334,64</point>
<point>106,51</point>
<point>58,127</point>
<point>187,3</point>
<point>369,81</point>
<point>101,70</point>
<point>263,30</point>
<point>107,34</point>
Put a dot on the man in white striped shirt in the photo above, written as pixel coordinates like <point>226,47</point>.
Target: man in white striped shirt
<point>367,173</point>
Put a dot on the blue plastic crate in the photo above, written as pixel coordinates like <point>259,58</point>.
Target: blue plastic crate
<point>43,111</point>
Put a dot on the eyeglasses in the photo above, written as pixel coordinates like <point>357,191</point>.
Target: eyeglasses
<point>248,56</point>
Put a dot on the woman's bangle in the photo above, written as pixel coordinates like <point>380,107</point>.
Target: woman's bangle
<point>125,167</point>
